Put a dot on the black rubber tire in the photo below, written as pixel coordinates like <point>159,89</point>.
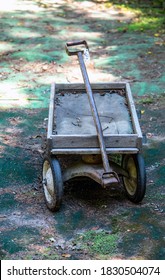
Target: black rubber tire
<point>135,183</point>
<point>52,183</point>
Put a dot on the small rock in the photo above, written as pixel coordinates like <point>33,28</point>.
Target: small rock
<point>52,239</point>
<point>44,67</point>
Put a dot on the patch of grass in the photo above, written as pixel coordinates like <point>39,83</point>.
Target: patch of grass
<point>44,254</point>
<point>146,100</point>
<point>151,99</point>
<point>49,254</point>
<point>100,242</point>
<point>144,23</point>
<point>149,15</point>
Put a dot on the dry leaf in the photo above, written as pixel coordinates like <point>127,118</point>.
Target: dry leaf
<point>66,255</point>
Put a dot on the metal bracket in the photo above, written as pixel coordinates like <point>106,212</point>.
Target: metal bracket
<point>110,179</point>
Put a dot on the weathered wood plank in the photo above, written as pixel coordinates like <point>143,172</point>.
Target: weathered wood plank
<point>91,141</point>
<point>51,111</point>
<point>134,117</point>
<point>89,151</point>
<point>99,86</point>
<point>131,105</point>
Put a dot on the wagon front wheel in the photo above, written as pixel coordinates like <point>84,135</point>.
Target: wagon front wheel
<point>135,182</point>
<point>52,183</point>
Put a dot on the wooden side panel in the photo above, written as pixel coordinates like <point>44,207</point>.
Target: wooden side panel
<point>51,111</point>
<point>134,117</point>
<point>89,151</point>
<point>91,141</point>
<point>79,86</point>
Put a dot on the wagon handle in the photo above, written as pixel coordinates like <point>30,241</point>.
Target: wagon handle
<point>75,43</point>
<point>108,172</point>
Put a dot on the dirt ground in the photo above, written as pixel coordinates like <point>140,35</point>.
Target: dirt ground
<point>93,223</point>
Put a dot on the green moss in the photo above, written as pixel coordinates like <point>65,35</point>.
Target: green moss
<point>100,242</point>
<point>48,254</point>
<point>150,99</point>
<point>13,241</point>
<point>146,100</point>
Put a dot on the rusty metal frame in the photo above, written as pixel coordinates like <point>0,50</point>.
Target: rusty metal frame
<point>95,172</point>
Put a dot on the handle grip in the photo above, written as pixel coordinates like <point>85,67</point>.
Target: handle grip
<point>75,43</point>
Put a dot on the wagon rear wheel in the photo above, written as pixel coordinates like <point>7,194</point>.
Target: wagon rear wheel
<point>52,183</point>
<point>135,182</point>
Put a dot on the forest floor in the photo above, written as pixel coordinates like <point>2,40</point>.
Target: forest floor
<point>93,223</point>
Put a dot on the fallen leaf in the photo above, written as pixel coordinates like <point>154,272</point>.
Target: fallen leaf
<point>66,255</point>
<point>95,228</point>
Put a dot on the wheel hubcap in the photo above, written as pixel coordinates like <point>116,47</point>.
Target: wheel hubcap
<point>131,181</point>
<point>48,183</point>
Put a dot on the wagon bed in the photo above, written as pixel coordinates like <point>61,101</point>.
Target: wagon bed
<point>71,129</point>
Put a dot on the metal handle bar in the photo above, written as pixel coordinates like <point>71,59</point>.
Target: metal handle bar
<point>93,107</point>
<point>75,43</point>
<point>94,113</point>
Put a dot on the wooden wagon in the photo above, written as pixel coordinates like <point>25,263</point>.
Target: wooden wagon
<point>72,131</point>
